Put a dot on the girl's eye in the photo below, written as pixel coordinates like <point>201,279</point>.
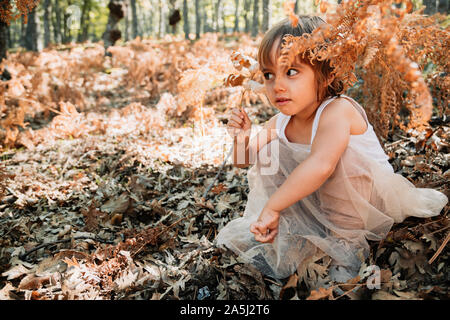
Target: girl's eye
<point>267,75</point>
<point>291,73</point>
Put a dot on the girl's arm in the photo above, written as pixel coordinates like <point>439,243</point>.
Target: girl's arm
<point>332,137</point>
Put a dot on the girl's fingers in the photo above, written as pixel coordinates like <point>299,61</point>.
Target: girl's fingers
<point>267,238</point>
<point>261,229</point>
<point>234,125</point>
<point>236,118</point>
<point>232,121</point>
<point>261,238</point>
<point>238,113</point>
<point>254,230</point>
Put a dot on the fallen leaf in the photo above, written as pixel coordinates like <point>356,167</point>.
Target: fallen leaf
<point>350,284</point>
<point>321,293</point>
<point>291,283</point>
<point>219,188</point>
<point>116,205</point>
<point>31,282</point>
<point>407,295</point>
<point>383,295</point>
<point>4,292</point>
<point>15,272</point>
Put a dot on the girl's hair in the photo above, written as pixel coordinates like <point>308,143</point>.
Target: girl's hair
<point>322,69</point>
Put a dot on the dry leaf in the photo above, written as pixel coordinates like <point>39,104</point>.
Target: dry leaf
<point>4,292</point>
<point>15,272</point>
<point>383,295</point>
<point>291,283</point>
<point>321,293</point>
<point>117,205</point>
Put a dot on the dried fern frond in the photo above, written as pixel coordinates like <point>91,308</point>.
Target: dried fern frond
<point>378,40</point>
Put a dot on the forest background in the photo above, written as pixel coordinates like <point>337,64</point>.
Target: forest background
<point>68,21</point>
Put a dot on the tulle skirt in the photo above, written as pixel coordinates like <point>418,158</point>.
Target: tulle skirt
<point>360,201</point>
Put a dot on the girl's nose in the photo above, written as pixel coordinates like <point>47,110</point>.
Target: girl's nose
<point>279,85</point>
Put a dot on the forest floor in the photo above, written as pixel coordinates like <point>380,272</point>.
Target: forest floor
<point>116,212</point>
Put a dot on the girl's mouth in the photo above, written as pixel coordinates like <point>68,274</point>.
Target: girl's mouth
<point>282,101</point>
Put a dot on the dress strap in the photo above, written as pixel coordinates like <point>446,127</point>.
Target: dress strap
<point>358,107</point>
<point>280,124</point>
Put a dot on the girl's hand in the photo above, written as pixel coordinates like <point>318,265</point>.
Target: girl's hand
<point>239,124</point>
<point>266,227</point>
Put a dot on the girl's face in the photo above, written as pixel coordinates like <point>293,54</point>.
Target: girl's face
<point>291,90</point>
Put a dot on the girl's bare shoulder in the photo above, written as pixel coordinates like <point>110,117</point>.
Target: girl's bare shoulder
<point>342,109</point>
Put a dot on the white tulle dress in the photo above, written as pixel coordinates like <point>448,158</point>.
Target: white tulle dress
<point>360,201</point>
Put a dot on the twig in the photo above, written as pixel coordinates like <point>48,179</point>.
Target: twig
<point>440,230</point>
<point>160,233</point>
<point>347,292</point>
<point>33,101</point>
<point>275,283</point>
<point>215,178</point>
<point>447,238</point>
<point>392,144</point>
<point>427,223</point>
<point>43,245</point>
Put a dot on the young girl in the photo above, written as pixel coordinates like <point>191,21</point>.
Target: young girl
<point>332,188</point>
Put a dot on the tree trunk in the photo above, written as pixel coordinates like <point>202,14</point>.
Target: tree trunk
<point>147,23</point>
<point>443,6</point>
<point>204,21</point>
<point>12,32</point>
<point>255,22</point>
<point>3,40</point>
<point>430,6</point>
<point>222,16</point>
<point>9,43</point>
<point>117,10</point>
<point>186,28</point>
<point>216,15</point>
<point>32,31</point>
<point>197,19</point>
<point>84,14</point>
<point>67,26</point>
<point>159,19</point>
<point>65,36</point>
<point>87,23</point>
<point>150,24</point>
<point>134,20</point>
<point>267,12</point>
<point>4,28</point>
<point>236,16</point>
<point>23,29</point>
<point>57,22</point>
<point>247,4</point>
<point>140,20</point>
<point>127,26</point>
<point>162,19</point>
<point>46,23</point>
